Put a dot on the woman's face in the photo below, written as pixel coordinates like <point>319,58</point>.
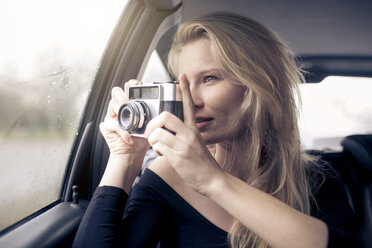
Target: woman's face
<point>217,100</point>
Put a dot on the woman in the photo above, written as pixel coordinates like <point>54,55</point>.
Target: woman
<point>233,173</point>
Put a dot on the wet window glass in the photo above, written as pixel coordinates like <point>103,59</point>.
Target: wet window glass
<point>333,109</point>
<point>50,51</point>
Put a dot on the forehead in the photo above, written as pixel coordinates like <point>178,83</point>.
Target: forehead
<point>196,56</point>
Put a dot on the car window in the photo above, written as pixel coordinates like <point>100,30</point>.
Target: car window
<point>155,70</point>
<point>334,108</point>
<point>50,51</point>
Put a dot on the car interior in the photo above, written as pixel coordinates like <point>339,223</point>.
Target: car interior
<point>330,38</point>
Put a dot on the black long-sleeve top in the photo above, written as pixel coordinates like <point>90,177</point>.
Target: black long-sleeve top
<point>155,214</point>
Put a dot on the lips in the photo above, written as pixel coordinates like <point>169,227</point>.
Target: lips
<point>202,121</point>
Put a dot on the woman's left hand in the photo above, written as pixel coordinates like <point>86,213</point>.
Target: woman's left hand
<point>185,150</point>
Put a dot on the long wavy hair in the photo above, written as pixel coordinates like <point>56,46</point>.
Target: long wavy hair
<point>253,56</point>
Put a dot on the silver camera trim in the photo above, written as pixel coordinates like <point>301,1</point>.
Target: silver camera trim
<point>168,91</point>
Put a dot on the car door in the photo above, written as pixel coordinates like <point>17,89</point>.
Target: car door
<point>132,42</point>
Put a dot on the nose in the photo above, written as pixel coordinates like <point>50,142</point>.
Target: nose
<point>196,96</point>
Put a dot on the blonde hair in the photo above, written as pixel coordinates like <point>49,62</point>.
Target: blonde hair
<point>251,55</point>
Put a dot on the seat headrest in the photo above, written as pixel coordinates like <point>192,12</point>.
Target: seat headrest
<point>360,147</point>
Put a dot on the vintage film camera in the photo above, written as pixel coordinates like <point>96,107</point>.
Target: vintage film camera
<point>146,101</point>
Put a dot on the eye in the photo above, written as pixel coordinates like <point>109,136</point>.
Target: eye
<point>210,78</point>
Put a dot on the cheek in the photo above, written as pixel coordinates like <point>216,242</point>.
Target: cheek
<point>226,100</point>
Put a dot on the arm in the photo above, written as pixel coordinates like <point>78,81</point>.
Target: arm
<point>101,223</point>
<point>100,226</point>
<point>120,173</point>
<point>269,218</point>
<point>106,224</point>
<point>333,214</point>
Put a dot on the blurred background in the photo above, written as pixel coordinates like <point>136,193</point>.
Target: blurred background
<point>49,53</point>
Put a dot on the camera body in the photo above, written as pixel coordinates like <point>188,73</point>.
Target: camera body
<point>147,101</point>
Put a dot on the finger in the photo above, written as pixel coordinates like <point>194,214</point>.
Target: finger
<point>164,137</point>
<point>162,150</point>
<point>165,119</point>
<point>131,82</point>
<point>188,104</point>
<point>118,94</point>
<point>125,135</point>
<point>112,127</point>
<point>119,97</point>
<point>113,108</point>
<point>105,128</point>
<point>110,115</point>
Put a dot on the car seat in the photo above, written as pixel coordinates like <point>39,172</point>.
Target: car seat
<point>358,152</point>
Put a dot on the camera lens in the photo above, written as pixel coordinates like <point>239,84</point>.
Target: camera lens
<point>127,117</point>
<point>133,116</point>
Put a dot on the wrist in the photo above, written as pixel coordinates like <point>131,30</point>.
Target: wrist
<point>122,170</point>
<point>125,159</point>
<point>216,184</point>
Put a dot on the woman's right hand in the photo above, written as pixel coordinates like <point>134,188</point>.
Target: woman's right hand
<point>126,152</point>
<point>120,142</point>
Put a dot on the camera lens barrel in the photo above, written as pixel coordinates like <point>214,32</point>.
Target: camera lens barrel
<point>133,116</point>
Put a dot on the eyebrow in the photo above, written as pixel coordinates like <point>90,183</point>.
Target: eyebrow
<point>209,71</point>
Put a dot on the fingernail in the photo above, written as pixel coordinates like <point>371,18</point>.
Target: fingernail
<point>130,141</point>
<point>179,77</point>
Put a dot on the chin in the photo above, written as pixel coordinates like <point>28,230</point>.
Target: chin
<point>207,139</point>
<point>210,139</point>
